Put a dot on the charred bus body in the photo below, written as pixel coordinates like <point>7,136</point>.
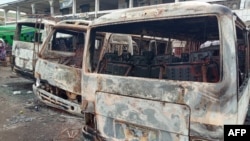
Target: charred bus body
<point>58,71</point>
<point>59,66</point>
<point>159,95</point>
<point>29,36</point>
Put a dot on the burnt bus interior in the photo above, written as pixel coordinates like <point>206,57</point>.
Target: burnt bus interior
<point>65,49</point>
<point>186,49</point>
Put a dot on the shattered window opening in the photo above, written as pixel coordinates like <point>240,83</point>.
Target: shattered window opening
<point>242,49</point>
<point>166,49</point>
<point>30,32</point>
<point>66,47</point>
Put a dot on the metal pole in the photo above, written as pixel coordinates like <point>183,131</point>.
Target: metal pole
<point>96,7</point>
<point>74,8</point>
<point>131,3</point>
<point>33,8</point>
<point>51,3</point>
<point>5,16</point>
<point>17,14</point>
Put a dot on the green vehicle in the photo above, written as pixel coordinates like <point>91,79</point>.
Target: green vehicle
<point>7,33</point>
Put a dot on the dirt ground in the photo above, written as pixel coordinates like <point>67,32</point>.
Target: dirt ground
<point>24,118</point>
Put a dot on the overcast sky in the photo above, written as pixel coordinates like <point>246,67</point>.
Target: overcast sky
<point>6,1</point>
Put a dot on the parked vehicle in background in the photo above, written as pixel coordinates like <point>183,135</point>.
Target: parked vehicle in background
<point>3,52</point>
<point>29,36</point>
<point>59,66</point>
<point>185,89</point>
<point>7,33</point>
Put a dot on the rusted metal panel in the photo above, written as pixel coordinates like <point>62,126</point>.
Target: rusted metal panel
<point>37,19</point>
<point>64,77</point>
<point>206,119</point>
<point>57,102</point>
<point>182,9</point>
<point>75,27</point>
<point>58,70</point>
<point>25,54</point>
<point>243,104</point>
<point>212,105</point>
<point>150,116</point>
<point>201,97</point>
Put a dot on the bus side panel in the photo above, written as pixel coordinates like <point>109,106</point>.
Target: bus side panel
<point>25,54</point>
<point>64,77</point>
<point>127,117</point>
<point>243,104</point>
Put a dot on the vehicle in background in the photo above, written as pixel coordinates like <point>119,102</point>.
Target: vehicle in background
<point>59,66</point>
<point>3,52</point>
<point>29,36</point>
<point>7,33</point>
<point>185,89</point>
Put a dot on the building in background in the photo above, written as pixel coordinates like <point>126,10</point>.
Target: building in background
<point>90,9</point>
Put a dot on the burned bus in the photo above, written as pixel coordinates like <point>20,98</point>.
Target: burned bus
<point>155,94</point>
<point>59,66</point>
<point>58,69</point>
<point>29,36</point>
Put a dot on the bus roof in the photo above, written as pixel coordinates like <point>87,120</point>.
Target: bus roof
<point>73,24</point>
<point>145,13</point>
<point>36,21</point>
